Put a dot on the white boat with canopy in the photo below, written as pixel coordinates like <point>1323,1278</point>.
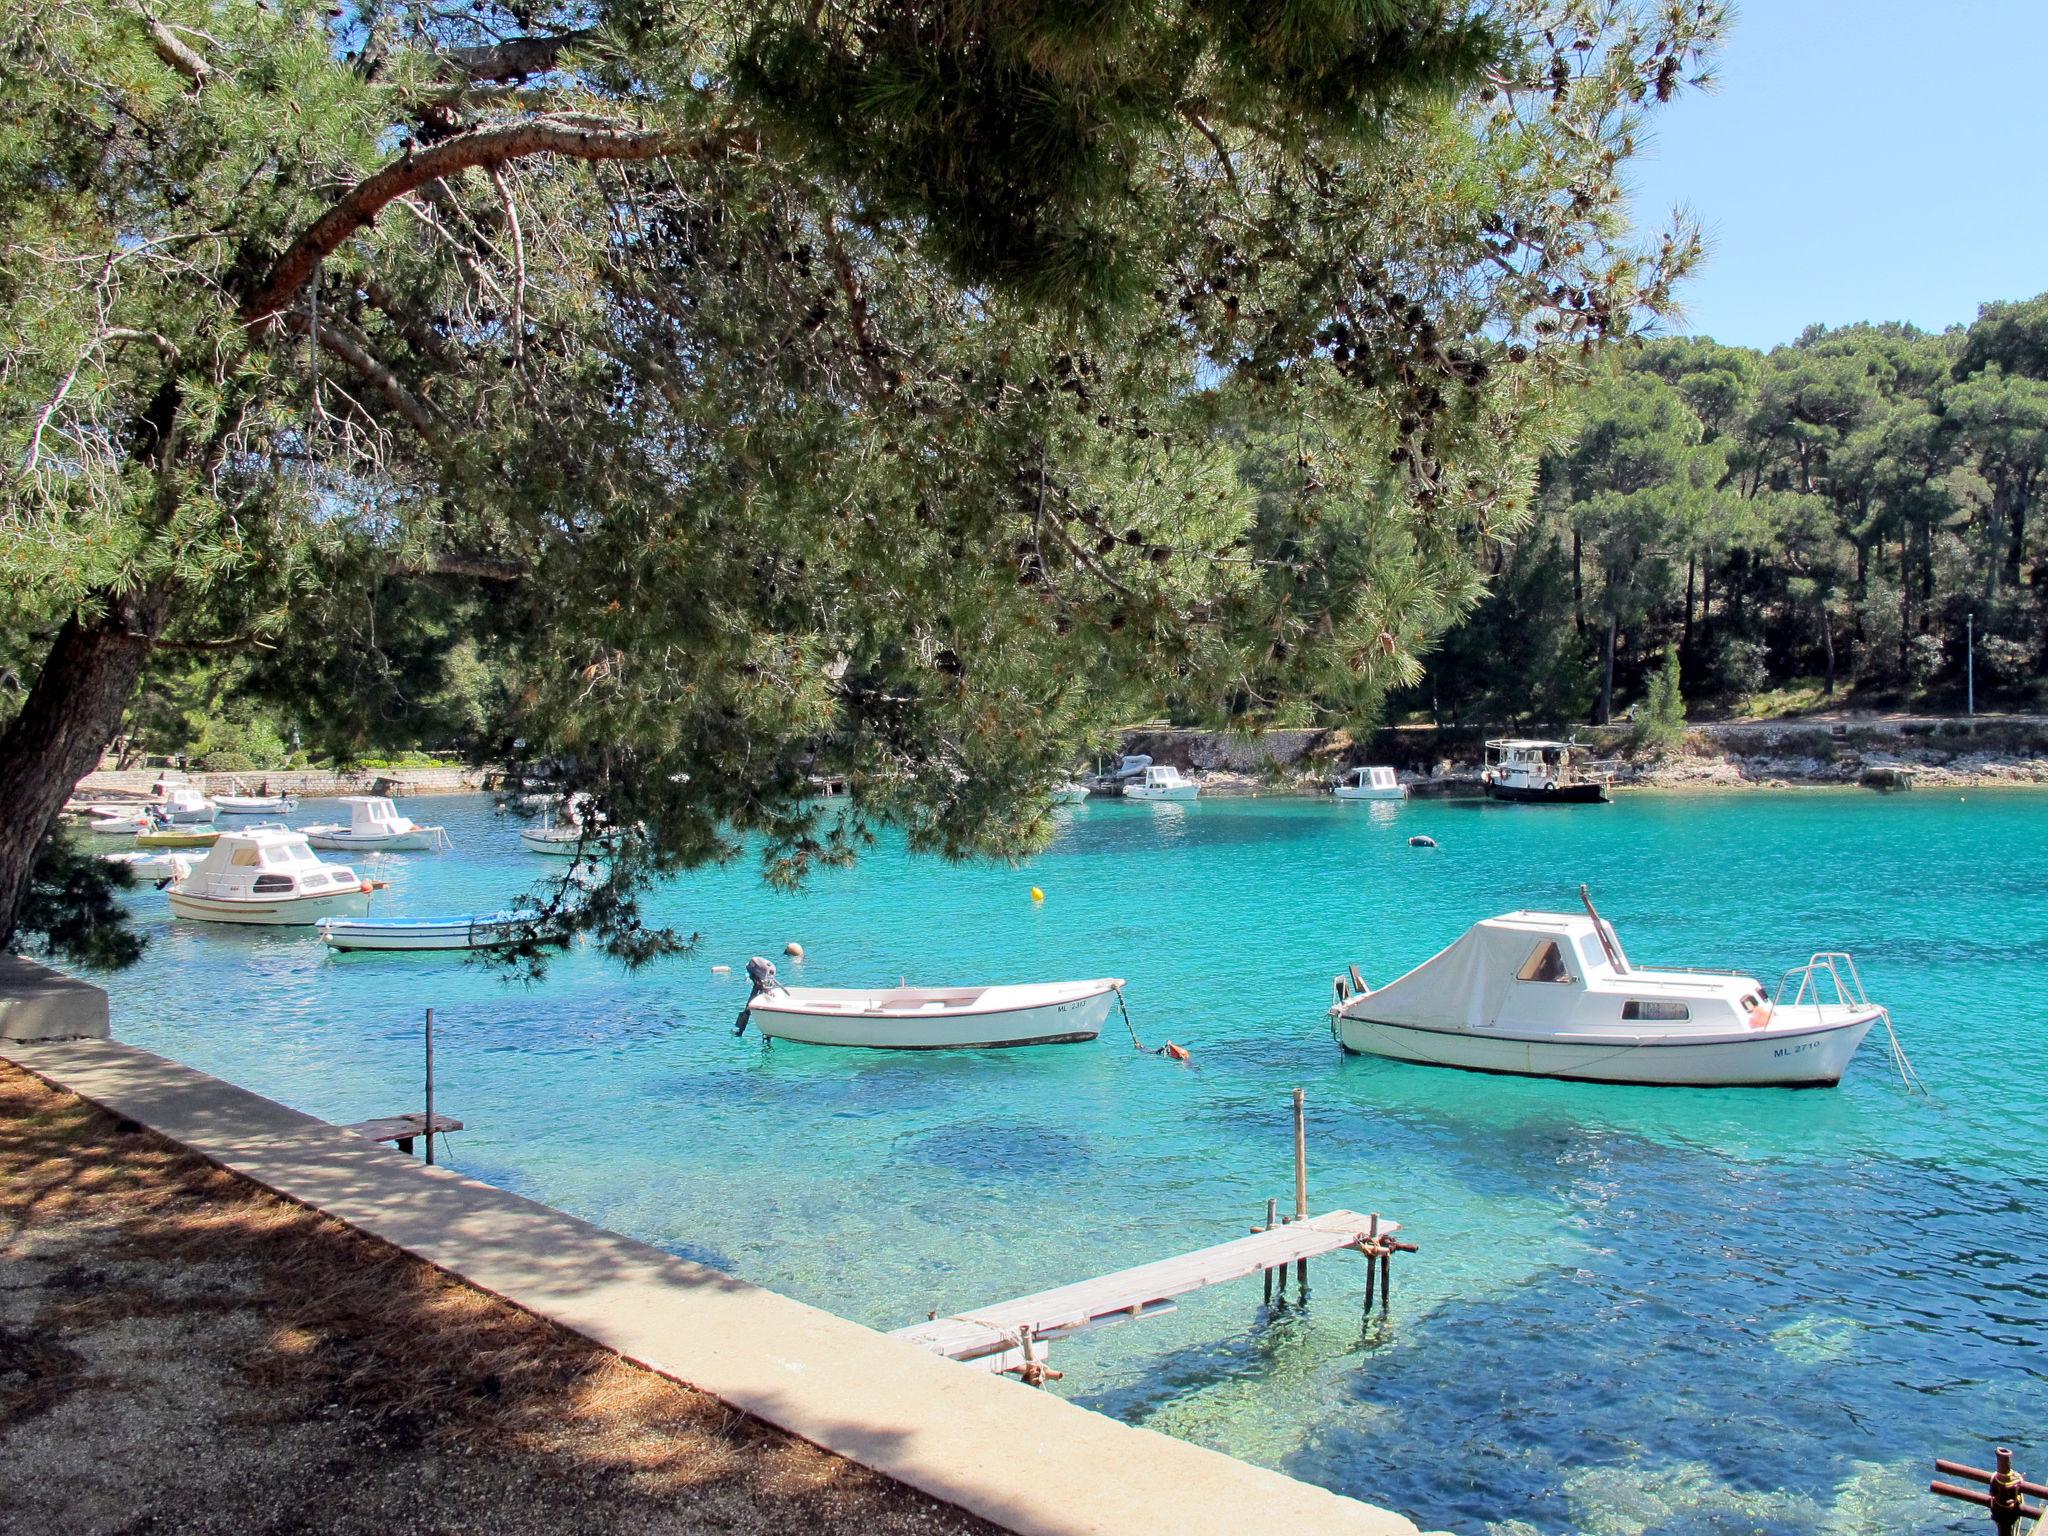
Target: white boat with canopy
<point>1371,784</point>
<point>184,803</point>
<point>375,826</point>
<point>928,1018</point>
<point>1161,782</point>
<point>1545,994</point>
<point>266,876</point>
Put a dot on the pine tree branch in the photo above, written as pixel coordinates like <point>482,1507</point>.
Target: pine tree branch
<point>517,58</point>
<point>177,53</point>
<point>479,148</point>
<point>351,347</point>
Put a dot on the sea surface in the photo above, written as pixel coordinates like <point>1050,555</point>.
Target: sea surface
<point>1634,1310</point>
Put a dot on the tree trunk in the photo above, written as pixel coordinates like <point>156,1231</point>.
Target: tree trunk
<point>1827,640</point>
<point>1685,636</point>
<point>69,717</point>
<point>2015,552</point>
<point>1578,587</point>
<point>1607,675</point>
<point>1707,609</point>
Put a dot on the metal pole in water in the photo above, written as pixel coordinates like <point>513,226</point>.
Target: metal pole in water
<point>430,1085</point>
<point>1300,1188</point>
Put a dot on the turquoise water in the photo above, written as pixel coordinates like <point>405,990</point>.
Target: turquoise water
<point>1635,1310</point>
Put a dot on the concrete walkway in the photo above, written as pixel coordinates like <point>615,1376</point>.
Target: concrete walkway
<point>1022,1458</point>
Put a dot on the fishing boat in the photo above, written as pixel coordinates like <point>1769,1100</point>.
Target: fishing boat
<point>474,930</point>
<point>268,876</point>
<point>374,826</point>
<point>1370,784</point>
<point>153,867</point>
<point>161,834</point>
<point>1161,782</point>
<point>254,805</point>
<point>184,803</point>
<point>928,1018</point>
<point>1538,773</point>
<point>1547,994</point>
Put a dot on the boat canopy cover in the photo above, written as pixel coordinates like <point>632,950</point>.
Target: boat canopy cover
<point>1466,985</point>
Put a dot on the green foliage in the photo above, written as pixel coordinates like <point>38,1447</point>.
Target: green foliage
<point>73,912</point>
<point>1660,724</point>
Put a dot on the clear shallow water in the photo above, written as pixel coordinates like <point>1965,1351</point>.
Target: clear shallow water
<point>1635,1310</point>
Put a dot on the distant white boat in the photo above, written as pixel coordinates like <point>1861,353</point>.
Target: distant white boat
<point>1161,783</point>
<point>267,876</point>
<point>1069,794</point>
<point>564,836</point>
<point>254,805</point>
<point>374,826</point>
<point>1370,784</point>
<point>929,1018</point>
<point>1545,994</point>
<point>117,821</point>
<point>183,803</point>
<point>485,930</point>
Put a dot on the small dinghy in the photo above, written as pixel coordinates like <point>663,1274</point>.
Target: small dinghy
<point>477,930</point>
<point>1546,994</point>
<point>118,821</point>
<point>374,826</point>
<point>156,868</point>
<point>928,1018</point>
<point>266,876</point>
<point>1069,794</point>
<point>254,805</point>
<point>163,835</point>
<point>564,835</point>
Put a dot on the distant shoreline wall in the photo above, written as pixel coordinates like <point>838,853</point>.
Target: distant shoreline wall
<point>310,782</point>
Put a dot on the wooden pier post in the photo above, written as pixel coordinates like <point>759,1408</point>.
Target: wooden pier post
<point>430,1085</point>
<point>1272,1221</point>
<point>1300,1188</point>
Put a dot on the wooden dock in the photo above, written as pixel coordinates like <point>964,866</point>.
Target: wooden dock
<point>1004,1336</point>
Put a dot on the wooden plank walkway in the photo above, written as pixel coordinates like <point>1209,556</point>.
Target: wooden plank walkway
<point>992,1336</point>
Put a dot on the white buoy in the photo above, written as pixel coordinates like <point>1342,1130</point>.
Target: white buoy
<point>794,950</point>
<point>720,970</point>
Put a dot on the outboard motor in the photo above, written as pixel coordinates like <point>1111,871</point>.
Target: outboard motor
<point>761,972</point>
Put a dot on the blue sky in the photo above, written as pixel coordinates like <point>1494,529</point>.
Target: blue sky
<point>1861,160</point>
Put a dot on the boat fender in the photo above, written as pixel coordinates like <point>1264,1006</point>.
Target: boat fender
<point>1760,1016</point>
<point>1421,842</point>
<point>794,950</point>
<point>366,887</point>
<point>1174,1052</point>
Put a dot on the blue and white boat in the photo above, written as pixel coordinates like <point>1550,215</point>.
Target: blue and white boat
<point>468,930</point>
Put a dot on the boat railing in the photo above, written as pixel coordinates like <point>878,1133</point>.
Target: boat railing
<point>1831,964</point>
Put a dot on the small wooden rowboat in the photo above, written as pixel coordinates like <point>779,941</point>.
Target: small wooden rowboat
<point>932,1018</point>
<point>482,930</point>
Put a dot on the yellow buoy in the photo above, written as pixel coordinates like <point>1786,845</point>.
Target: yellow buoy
<point>794,950</point>
<point>1037,894</point>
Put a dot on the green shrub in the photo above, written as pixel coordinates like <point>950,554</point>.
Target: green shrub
<point>1660,725</point>
<point>227,761</point>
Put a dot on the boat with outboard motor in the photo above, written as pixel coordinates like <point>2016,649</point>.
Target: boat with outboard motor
<point>1530,772</point>
<point>928,1018</point>
<point>1546,994</point>
<point>268,876</point>
<point>1370,784</point>
<point>374,826</point>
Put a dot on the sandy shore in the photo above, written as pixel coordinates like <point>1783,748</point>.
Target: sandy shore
<point>183,1352</point>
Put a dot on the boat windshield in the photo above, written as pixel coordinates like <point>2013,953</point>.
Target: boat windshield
<point>1546,964</point>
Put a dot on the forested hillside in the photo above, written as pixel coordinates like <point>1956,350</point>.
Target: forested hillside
<point>1811,523</point>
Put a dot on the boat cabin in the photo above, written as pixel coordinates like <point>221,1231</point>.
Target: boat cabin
<point>266,864</point>
<point>1554,971</point>
<point>375,816</point>
<point>182,802</point>
<point>1372,783</point>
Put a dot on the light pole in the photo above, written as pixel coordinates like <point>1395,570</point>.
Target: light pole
<point>1970,665</point>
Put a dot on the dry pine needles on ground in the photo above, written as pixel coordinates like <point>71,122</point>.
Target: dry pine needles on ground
<point>182,1351</point>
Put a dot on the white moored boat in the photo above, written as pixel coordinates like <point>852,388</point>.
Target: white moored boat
<point>254,805</point>
<point>479,930</point>
<point>269,876</point>
<point>374,826</point>
<point>1370,784</point>
<point>1069,794</point>
<point>563,835</point>
<point>928,1018</point>
<point>183,803</point>
<point>154,867</point>
<point>1546,994</point>
<point>1161,782</point>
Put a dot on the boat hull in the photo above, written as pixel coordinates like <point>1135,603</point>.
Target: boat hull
<point>284,912</point>
<point>253,805</point>
<point>1176,792</point>
<point>1398,792</point>
<point>418,840</point>
<point>189,837</point>
<point>1804,1056</point>
<point>1563,794</point>
<point>1059,1022</point>
<point>421,934</point>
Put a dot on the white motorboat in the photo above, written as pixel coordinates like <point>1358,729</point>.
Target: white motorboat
<point>1370,784</point>
<point>1538,773</point>
<point>183,803</point>
<point>154,867</point>
<point>1161,782</point>
<point>476,930</point>
<point>117,821</point>
<point>928,1018</point>
<point>565,836</point>
<point>270,876</point>
<point>374,826</point>
<point>1545,994</point>
<point>254,805</point>
<point>1069,794</point>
